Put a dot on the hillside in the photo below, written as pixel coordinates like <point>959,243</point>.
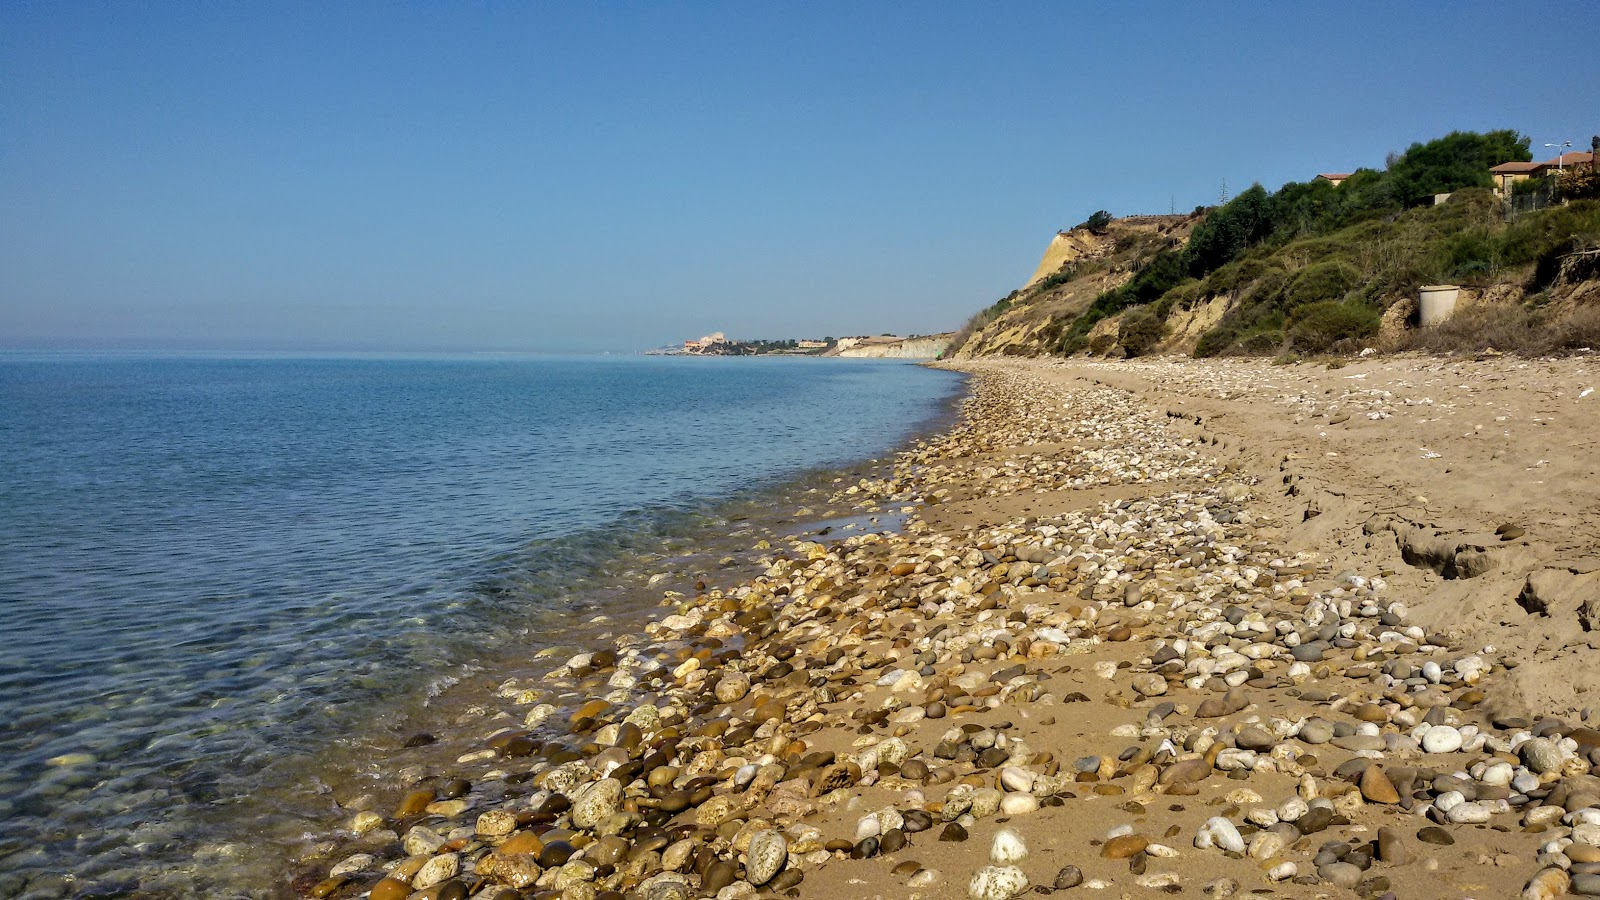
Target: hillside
<point>1321,267</point>
<point>1082,264</point>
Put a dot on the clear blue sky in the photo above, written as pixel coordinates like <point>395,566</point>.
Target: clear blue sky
<point>615,176</point>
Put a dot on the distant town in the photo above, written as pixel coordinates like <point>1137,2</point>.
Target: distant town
<point>718,344</point>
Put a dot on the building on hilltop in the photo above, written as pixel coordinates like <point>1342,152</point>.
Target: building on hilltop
<point>711,341</point>
<point>1334,178</point>
<point>1507,174</point>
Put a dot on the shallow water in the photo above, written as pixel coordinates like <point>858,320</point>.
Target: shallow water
<point>216,572</point>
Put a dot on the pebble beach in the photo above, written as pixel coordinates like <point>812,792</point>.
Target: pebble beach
<point>1141,629</point>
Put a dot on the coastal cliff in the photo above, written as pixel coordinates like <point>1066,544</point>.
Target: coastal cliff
<point>927,347</point>
<point>1330,265</point>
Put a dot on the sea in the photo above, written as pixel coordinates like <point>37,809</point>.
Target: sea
<point>231,582</point>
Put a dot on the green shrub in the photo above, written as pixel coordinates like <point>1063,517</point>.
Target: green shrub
<point>1320,283</point>
<point>1139,331</point>
<point>1213,342</point>
<point>1328,326</point>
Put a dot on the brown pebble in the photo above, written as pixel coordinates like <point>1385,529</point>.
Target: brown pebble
<point>718,876</point>
<point>327,886</point>
<point>520,843</point>
<point>1433,834</point>
<point>390,889</point>
<point>414,803</point>
<point>1124,846</point>
<point>556,853</point>
<point>1377,788</point>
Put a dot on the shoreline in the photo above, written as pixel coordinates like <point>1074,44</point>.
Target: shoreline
<point>1113,604</point>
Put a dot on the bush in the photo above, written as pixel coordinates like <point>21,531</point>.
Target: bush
<point>1098,221</point>
<point>1329,326</point>
<point>1213,342</point>
<point>1323,282</point>
<point>1510,329</point>
<point>1140,330</point>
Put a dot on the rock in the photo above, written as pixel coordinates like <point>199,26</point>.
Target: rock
<point>997,883</point>
<point>439,869</point>
<point>1019,804</point>
<point>1585,885</point>
<point>497,823</point>
<point>390,889</point>
<point>767,853</point>
<point>1377,788</point>
<point>1186,771</point>
<point>718,875</point>
<point>1468,813</point>
<point>596,802</point>
<point>1068,877</point>
<point>1254,737</point>
<point>1150,685</point>
<point>953,832</point>
<point>1548,884</point>
<point>1392,847</point>
<point>1221,833</point>
<point>556,853</point>
<point>365,822</point>
<point>732,687</point>
<point>1341,874</point>
<point>352,865</point>
<point>1433,834</point>
<point>1124,846</point>
<point>1316,731</point>
<point>1357,743</point>
<point>1266,845</point>
<point>1541,755</point>
<point>1580,853</point>
<point>1441,739</point>
<point>1007,848</point>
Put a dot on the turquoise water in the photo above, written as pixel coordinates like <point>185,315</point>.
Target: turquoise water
<point>210,567</point>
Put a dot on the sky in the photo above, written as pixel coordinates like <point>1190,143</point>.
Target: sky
<point>615,176</point>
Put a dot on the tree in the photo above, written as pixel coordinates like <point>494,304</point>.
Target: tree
<point>1460,159</point>
<point>1230,229</point>
<point>1098,221</point>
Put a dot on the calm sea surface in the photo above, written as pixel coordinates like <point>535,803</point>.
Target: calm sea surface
<point>213,569</point>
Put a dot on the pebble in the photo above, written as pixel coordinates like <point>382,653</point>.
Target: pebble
<point>1220,833</point>
<point>997,883</point>
<point>1377,788</point>
<point>1124,846</point>
<point>1441,739</point>
<point>1007,848</point>
<point>765,857</point>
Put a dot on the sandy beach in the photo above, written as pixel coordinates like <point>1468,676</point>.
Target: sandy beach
<point>1167,627</point>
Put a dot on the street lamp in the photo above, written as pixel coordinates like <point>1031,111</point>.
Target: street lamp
<point>1561,155</point>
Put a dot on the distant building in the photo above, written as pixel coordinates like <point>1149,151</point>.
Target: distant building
<point>711,341</point>
<point>1507,174</point>
<point>811,345</point>
<point>1334,178</point>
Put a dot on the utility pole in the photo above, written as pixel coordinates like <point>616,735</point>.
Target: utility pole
<point>1222,195</point>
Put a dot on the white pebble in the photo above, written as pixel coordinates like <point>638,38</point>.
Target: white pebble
<point>1008,848</point>
<point>1441,739</point>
